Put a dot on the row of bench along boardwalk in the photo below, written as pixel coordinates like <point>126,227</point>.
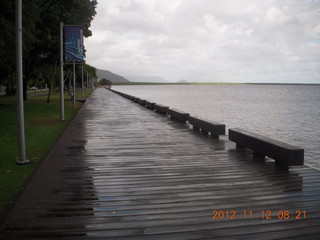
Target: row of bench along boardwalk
<point>123,171</point>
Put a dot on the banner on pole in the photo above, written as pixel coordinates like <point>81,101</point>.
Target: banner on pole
<point>73,44</point>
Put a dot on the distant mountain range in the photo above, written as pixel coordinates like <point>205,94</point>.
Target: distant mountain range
<point>183,81</point>
<point>153,79</point>
<point>115,78</point>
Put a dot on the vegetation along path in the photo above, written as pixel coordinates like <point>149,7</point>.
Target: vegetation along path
<point>121,171</point>
<point>43,128</point>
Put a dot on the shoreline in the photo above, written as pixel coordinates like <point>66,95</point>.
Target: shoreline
<point>213,83</point>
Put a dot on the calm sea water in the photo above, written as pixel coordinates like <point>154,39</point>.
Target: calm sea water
<point>286,113</point>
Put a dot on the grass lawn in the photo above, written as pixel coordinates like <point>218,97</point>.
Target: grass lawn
<point>42,129</point>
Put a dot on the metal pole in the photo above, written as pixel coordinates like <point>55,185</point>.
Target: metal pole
<point>19,74</point>
<point>92,83</point>
<point>87,83</point>
<point>74,84</point>
<point>82,80</point>
<point>61,74</point>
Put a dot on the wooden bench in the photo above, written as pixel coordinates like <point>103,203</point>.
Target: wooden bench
<point>161,108</point>
<point>206,126</point>
<point>284,154</point>
<point>178,115</point>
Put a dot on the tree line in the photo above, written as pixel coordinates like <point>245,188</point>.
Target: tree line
<point>41,39</point>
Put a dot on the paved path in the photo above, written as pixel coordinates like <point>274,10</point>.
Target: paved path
<point>121,171</point>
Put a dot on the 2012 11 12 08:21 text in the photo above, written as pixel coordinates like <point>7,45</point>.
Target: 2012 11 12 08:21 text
<point>264,214</point>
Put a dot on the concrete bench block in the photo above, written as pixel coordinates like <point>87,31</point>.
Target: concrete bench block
<point>161,108</point>
<point>214,128</point>
<point>142,102</point>
<point>178,115</point>
<point>150,105</point>
<point>284,154</point>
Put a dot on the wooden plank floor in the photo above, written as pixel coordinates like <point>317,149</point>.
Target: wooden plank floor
<point>121,171</point>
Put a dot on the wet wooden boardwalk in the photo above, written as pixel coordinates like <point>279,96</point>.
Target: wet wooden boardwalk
<point>121,171</point>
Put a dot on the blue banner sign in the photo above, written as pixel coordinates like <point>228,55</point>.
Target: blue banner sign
<point>73,44</point>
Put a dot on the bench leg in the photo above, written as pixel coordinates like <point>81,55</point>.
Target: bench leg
<point>196,128</point>
<point>239,146</point>
<point>216,136</point>
<point>203,131</point>
<point>258,155</point>
<point>281,166</point>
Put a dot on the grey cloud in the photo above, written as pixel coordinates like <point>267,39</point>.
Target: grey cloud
<point>222,40</point>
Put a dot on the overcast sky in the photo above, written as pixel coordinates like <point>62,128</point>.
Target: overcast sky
<point>208,40</point>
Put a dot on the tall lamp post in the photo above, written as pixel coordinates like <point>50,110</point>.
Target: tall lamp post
<point>61,74</point>
<point>20,110</point>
